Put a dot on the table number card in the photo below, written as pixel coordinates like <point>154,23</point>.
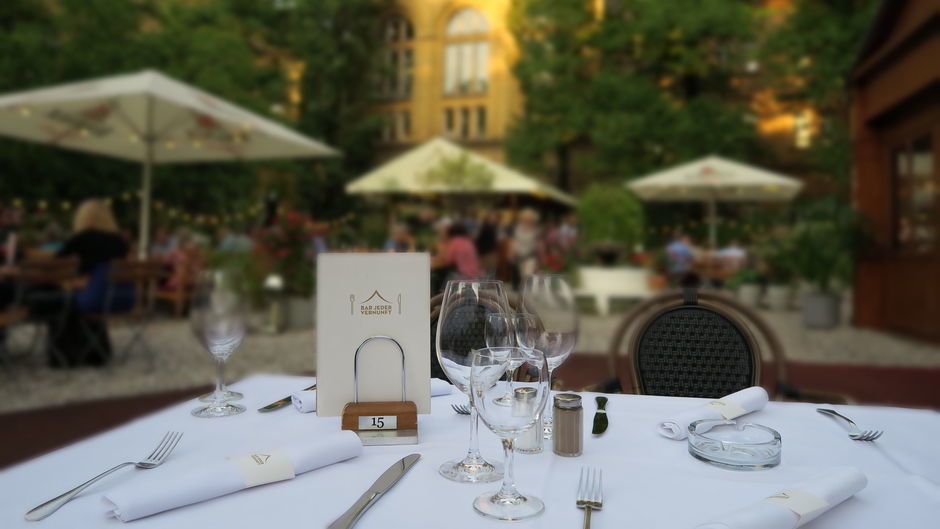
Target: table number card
<point>365,295</point>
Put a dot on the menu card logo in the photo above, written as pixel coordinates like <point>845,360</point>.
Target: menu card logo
<point>375,305</point>
<point>260,459</point>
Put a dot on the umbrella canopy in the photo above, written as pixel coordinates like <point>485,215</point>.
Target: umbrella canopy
<point>149,118</point>
<point>440,166</point>
<point>714,179</point>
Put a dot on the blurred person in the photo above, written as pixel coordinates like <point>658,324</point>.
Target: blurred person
<point>163,243</point>
<point>51,238</point>
<point>458,254</point>
<point>232,241</point>
<point>732,257</point>
<point>96,241</point>
<point>487,241</point>
<point>400,239</point>
<point>680,257</point>
<point>526,246</point>
<point>184,262</point>
<point>568,232</point>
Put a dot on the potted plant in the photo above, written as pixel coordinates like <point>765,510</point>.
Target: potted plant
<point>285,248</point>
<point>611,221</point>
<point>746,284</point>
<point>778,264</point>
<point>823,246</point>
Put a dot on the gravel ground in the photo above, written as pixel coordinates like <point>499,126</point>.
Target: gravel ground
<point>180,363</point>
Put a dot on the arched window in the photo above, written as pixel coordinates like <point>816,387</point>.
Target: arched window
<point>466,53</point>
<point>398,73</point>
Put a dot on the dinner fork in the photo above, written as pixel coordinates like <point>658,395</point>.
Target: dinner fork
<point>461,409</point>
<point>855,433</point>
<point>590,492</point>
<point>158,456</point>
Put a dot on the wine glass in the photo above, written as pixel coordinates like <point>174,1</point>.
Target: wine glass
<point>508,422</point>
<point>500,334</point>
<point>551,300</point>
<point>460,331</point>
<point>218,321</point>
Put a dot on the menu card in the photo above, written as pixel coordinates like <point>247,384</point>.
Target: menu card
<point>365,295</point>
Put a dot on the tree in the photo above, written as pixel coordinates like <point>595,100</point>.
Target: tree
<point>648,84</point>
<point>808,60</point>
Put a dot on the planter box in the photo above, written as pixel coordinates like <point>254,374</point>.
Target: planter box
<point>300,312</point>
<point>821,310</point>
<point>779,297</point>
<point>749,295</point>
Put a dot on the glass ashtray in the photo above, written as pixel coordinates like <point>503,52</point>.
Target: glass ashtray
<point>735,445</point>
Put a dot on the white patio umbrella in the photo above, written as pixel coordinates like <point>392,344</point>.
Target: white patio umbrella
<point>149,118</point>
<point>712,180</point>
<point>424,170</point>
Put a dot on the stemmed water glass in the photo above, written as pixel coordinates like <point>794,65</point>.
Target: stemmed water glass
<point>551,300</point>
<point>217,316</point>
<point>500,334</point>
<point>460,331</point>
<point>508,422</point>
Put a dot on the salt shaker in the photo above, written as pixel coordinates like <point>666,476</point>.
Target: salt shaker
<point>530,441</point>
<point>568,437</point>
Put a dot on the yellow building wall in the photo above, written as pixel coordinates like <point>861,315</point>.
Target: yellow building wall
<point>502,98</point>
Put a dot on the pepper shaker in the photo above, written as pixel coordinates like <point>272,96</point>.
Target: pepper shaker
<point>568,437</point>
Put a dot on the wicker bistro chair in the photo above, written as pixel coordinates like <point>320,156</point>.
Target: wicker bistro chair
<point>700,344</point>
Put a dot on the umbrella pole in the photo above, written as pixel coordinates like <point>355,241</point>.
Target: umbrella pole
<point>143,239</point>
<point>712,224</point>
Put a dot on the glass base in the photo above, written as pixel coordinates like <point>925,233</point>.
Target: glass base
<point>227,395</point>
<point>510,508</point>
<point>505,400</point>
<point>212,411</point>
<point>471,470</point>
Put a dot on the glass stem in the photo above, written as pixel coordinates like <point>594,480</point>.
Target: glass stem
<point>547,414</point>
<point>218,398</point>
<point>512,378</point>
<point>474,451</point>
<point>508,490</point>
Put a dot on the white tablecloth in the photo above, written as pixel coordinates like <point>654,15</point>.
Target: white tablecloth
<point>649,481</point>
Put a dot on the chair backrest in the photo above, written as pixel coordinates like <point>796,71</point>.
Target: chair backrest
<point>695,344</point>
<point>48,270</point>
<point>132,284</point>
<point>469,333</point>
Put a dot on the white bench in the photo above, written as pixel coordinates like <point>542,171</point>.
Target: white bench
<point>602,285</point>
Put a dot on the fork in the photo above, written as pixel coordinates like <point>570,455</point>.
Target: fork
<point>158,456</point>
<point>590,492</point>
<point>461,409</point>
<point>855,433</point>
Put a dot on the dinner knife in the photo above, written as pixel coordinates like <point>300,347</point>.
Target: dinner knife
<point>387,480</point>
<point>278,404</point>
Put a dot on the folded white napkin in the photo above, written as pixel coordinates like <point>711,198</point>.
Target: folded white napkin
<point>306,401</point>
<point>171,487</point>
<point>797,505</point>
<point>734,405</point>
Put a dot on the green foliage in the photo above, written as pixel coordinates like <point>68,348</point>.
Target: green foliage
<point>824,243</point>
<point>610,214</point>
<point>647,85</point>
<point>285,249</point>
<point>744,276</point>
<point>233,48</point>
<point>460,172</point>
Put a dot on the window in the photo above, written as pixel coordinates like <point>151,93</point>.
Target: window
<point>398,76</point>
<point>481,121</point>
<point>448,121</point>
<point>465,123</point>
<point>405,124</point>
<point>915,212</point>
<point>466,53</point>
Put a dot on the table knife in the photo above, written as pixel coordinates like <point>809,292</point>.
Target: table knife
<point>278,404</point>
<point>387,480</point>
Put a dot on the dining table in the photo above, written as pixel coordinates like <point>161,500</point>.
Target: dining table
<point>649,481</point>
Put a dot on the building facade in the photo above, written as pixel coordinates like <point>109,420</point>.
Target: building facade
<point>895,117</point>
<point>449,73</point>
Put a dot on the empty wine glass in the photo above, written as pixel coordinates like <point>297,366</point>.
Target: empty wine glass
<point>460,331</point>
<point>218,321</point>
<point>508,422</point>
<point>500,334</point>
<point>551,300</point>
